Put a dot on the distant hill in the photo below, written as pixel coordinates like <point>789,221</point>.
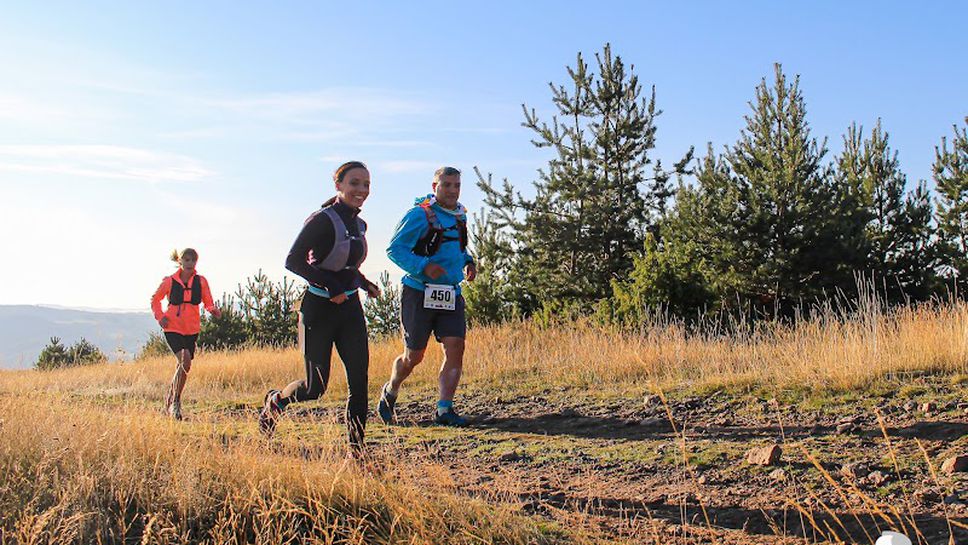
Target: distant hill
<point>26,329</point>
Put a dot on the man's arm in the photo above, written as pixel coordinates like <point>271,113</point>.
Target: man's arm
<point>410,229</point>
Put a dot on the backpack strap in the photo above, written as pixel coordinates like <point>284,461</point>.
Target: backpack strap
<point>431,216</point>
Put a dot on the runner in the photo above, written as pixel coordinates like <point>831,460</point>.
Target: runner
<point>430,245</point>
<point>181,321</point>
<point>328,253</point>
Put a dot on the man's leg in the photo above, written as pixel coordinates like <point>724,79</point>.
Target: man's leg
<point>417,324</point>
<point>451,328</point>
<point>451,369</point>
<point>403,366</point>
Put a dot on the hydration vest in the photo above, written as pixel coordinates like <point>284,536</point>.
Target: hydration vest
<point>176,295</point>
<point>429,244</point>
<point>338,258</point>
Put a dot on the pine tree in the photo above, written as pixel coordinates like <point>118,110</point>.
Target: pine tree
<point>590,211</point>
<point>489,298</point>
<point>383,312</point>
<point>893,242</point>
<point>950,171</point>
<point>765,216</point>
<point>54,355</point>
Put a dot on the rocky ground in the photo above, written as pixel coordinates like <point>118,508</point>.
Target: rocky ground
<point>716,467</point>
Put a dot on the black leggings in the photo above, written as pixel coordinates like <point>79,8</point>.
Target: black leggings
<point>325,323</point>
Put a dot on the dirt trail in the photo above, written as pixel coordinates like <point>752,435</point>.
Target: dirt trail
<point>612,469</point>
<point>616,470</point>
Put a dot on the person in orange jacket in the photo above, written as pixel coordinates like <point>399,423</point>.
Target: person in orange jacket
<point>185,289</point>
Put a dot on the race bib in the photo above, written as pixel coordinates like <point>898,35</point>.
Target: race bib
<point>440,297</point>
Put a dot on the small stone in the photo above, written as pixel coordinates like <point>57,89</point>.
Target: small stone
<point>652,400</point>
<point>855,470</point>
<point>955,464</point>
<point>928,495</point>
<point>778,475</point>
<point>512,456</point>
<point>877,478</point>
<point>764,456</point>
<point>845,427</point>
<point>929,407</point>
<point>910,406</point>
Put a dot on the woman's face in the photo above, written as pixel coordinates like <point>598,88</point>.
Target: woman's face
<point>354,188</point>
<point>187,262</point>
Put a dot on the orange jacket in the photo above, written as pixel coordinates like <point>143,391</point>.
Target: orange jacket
<point>184,318</point>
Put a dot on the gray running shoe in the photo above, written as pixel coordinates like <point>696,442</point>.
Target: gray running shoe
<point>267,416</point>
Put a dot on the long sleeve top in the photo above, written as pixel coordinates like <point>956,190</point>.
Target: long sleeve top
<point>450,256</point>
<point>315,241</point>
<point>184,319</point>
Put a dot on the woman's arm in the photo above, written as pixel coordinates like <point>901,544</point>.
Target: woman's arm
<point>160,294</point>
<point>317,232</point>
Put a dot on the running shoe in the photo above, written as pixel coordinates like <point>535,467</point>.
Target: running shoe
<point>386,405</point>
<point>450,418</point>
<point>267,416</point>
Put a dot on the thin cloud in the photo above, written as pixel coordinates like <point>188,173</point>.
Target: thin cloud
<point>27,110</point>
<point>103,162</point>
<point>307,107</point>
<point>397,167</point>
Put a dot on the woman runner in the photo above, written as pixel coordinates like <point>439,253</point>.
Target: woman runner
<point>181,321</point>
<point>328,253</point>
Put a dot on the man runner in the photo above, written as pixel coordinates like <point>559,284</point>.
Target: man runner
<point>430,245</point>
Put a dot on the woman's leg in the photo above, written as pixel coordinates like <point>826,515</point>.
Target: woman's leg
<point>316,335</point>
<point>181,374</point>
<point>354,350</point>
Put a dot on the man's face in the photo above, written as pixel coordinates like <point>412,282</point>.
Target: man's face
<point>447,190</point>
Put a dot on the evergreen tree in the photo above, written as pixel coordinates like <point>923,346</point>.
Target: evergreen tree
<point>590,211</point>
<point>269,310</point>
<point>383,312</point>
<point>261,313</point>
<point>56,355</point>
<point>893,243</point>
<point>155,346</point>
<point>765,217</point>
<point>489,298</point>
<point>228,331</point>
<point>950,171</point>
<point>663,279</point>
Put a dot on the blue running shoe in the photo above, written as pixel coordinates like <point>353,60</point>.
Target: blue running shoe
<point>450,418</point>
<point>386,405</point>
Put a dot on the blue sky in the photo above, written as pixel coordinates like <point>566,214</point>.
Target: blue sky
<point>128,129</point>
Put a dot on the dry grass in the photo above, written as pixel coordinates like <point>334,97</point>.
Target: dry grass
<point>77,473</point>
<point>828,352</point>
<point>86,458</point>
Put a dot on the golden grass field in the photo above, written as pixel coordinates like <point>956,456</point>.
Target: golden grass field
<point>87,457</point>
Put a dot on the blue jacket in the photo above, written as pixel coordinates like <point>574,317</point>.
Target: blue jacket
<point>411,229</point>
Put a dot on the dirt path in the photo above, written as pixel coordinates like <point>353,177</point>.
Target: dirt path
<point>612,469</point>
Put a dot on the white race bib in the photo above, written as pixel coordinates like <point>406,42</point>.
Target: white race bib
<point>440,297</point>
